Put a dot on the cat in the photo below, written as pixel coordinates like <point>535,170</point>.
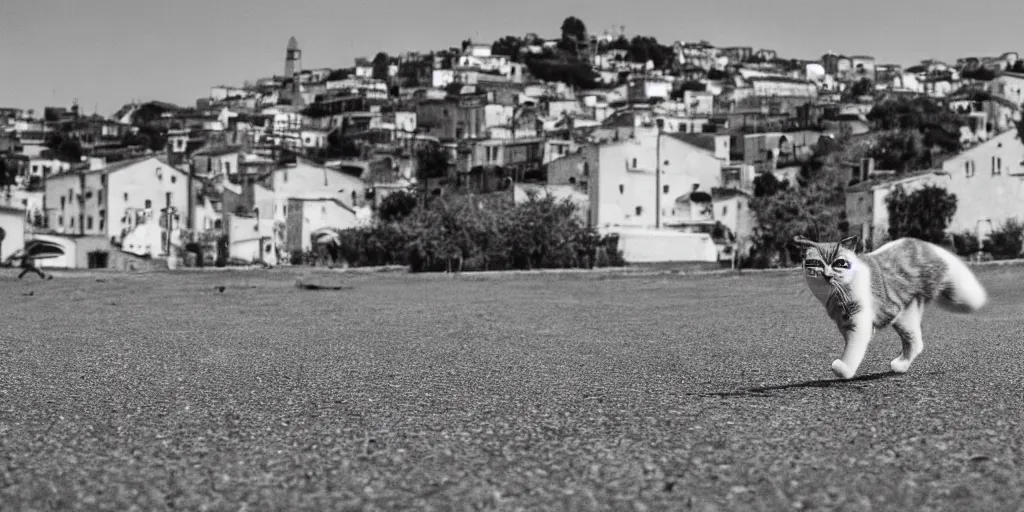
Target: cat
<point>891,285</point>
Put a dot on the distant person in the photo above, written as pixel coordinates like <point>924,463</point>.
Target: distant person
<point>27,265</point>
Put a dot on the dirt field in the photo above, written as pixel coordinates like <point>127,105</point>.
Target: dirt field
<point>562,392</point>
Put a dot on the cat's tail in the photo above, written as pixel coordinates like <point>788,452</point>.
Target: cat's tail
<point>960,291</point>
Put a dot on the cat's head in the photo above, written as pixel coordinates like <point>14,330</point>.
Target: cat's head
<point>834,262</point>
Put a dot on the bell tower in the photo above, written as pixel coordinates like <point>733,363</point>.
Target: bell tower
<point>292,59</point>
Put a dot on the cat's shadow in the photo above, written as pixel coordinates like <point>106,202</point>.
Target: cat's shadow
<point>822,383</point>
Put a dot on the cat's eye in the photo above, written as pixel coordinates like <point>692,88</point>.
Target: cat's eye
<point>813,263</point>
<point>840,263</point>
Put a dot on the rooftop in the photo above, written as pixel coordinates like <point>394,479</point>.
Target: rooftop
<point>873,183</point>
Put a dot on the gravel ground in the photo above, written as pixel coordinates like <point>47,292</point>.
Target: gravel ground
<point>571,392</point>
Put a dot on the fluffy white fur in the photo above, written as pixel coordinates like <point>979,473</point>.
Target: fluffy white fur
<point>887,287</point>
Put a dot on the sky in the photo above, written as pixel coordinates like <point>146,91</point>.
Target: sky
<point>106,53</point>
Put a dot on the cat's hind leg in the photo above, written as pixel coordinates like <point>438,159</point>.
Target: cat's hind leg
<point>908,327</point>
<point>857,336</point>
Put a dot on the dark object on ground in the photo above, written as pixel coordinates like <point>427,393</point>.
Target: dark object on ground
<point>221,289</point>
<point>29,294</point>
<point>318,286</point>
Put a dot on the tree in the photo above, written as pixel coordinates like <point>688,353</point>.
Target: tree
<point>8,171</point>
<point>396,206</point>
<point>63,147</point>
<point>619,43</point>
<point>901,151</point>
<point>1007,241</point>
<point>644,48</point>
<point>575,74</point>
<point>380,66</point>
<point>431,162</point>
<point>574,29</point>
<point>924,214</point>
<point>509,46</point>
<point>816,211</point>
<point>863,87</point>
<point>767,185</point>
<point>939,126</point>
<point>981,74</point>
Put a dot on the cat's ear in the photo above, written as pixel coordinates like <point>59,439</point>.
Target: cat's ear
<point>800,241</point>
<point>850,243</point>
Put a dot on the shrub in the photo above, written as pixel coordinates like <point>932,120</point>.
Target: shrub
<point>1007,241</point>
<point>924,213</point>
<point>965,243</point>
<point>466,232</point>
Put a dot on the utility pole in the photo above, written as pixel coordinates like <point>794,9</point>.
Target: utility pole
<point>167,224</point>
<point>657,174</point>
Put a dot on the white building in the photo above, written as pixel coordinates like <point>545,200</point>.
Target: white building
<point>622,177</point>
<point>114,199</point>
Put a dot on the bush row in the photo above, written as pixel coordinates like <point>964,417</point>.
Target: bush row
<point>459,232</point>
<point>1005,242</point>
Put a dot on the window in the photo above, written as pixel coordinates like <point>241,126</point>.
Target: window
<point>62,200</point>
<point>622,189</point>
<point>60,220</point>
<point>88,222</point>
<point>725,210</point>
<point>149,204</point>
<point>997,165</point>
<point>634,163</point>
<point>174,179</point>
<point>99,197</point>
<point>71,222</point>
<point>969,168</point>
<point>126,196</point>
<point>664,189</point>
<point>227,167</point>
<point>103,219</point>
<point>572,180</point>
<point>639,210</point>
<point>586,168</point>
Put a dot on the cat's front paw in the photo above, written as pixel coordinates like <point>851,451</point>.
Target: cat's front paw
<point>840,369</point>
<point>900,365</point>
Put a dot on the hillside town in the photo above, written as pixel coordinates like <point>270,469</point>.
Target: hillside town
<point>674,149</point>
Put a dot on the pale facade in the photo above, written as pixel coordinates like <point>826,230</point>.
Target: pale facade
<point>12,231</point>
<point>1009,86</point>
<point>622,178</point>
<point>306,216</point>
<point>306,179</point>
<point>109,201</point>
<point>988,181</point>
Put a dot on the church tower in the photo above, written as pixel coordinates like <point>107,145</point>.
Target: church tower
<point>292,59</point>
